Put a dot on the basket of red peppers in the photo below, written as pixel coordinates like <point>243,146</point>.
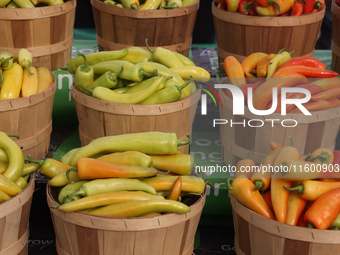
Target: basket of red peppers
<point>289,200</point>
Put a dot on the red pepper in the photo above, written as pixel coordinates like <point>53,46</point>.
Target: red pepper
<point>297,9</point>
<point>222,6</point>
<point>252,9</point>
<point>268,198</point>
<point>308,8</point>
<point>245,6</point>
<point>324,210</point>
<point>265,3</point>
<point>309,72</point>
<point>319,5</point>
<point>304,61</point>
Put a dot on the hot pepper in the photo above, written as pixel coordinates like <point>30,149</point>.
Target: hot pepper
<point>47,2</point>
<point>22,181</point>
<point>252,60</point>
<point>107,80</point>
<point>147,142</point>
<point>29,84</point>
<point>12,5</point>
<point>297,9</point>
<point>319,5</point>
<point>309,72</point>
<point>327,83</point>
<point>69,189</point>
<point>145,84</point>
<point>137,54</point>
<point>325,95</point>
<point>324,210</point>
<point>190,184</point>
<point>166,95</point>
<point>266,3</point>
<point>262,66</point>
<point>278,60</point>
<point>321,155</point>
<point>45,78</point>
<point>24,3</point>
<point>25,59</point>
<point>272,10</point>
<point>106,199</point>
<point>274,145</point>
<point>150,5</point>
<point>314,106</point>
<point>244,191</point>
<point>176,189</point>
<point>49,166</point>
<point>173,4</point>
<point>232,5</point>
<point>177,163</point>
<point>305,61</point>
<point>335,102</point>
<point>128,158</point>
<point>308,7</point>
<point>28,168</point>
<point>295,207</point>
<point>279,196</point>
<point>186,61</point>
<point>3,3</point>
<point>125,98</point>
<point>138,208</point>
<point>164,56</point>
<point>8,186</point>
<point>245,6</point>
<point>263,94</point>
<point>100,186</point>
<point>12,80</point>
<point>67,157</point>
<point>197,73</point>
<point>234,71</point>
<point>4,197</point>
<point>96,57</point>
<point>61,179</point>
<point>88,168</point>
<point>268,198</point>
<point>15,155</point>
<point>336,223</point>
<point>243,164</point>
<point>84,75</point>
<point>132,4</point>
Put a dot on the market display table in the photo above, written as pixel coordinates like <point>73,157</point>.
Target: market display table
<point>215,234</point>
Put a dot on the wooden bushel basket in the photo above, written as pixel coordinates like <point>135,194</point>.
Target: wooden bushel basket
<point>335,45</point>
<point>98,118</point>
<point>240,35</point>
<point>31,119</point>
<point>84,234</point>
<point>118,28</point>
<point>46,31</point>
<point>14,222</point>
<point>311,132</point>
<point>257,235</point>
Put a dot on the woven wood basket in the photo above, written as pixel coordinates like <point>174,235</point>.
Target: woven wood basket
<point>240,35</point>
<point>98,118</point>
<point>31,119</point>
<point>335,45</point>
<point>118,28</point>
<point>257,235</point>
<point>311,132</point>
<point>14,222</point>
<point>84,234</point>
<point>45,31</point>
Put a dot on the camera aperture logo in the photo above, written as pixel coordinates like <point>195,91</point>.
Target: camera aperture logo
<point>238,103</point>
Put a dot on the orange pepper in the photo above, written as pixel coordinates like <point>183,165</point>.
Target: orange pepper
<point>244,191</point>
<point>176,189</point>
<point>308,71</point>
<point>321,155</point>
<point>327,83</point>
<point>295,206</point>
<point>279,196</point>
<point>314,106</point>
<point>274,145</point>
<point>268,198</point>
<point>261,69</point>
<point>263,94</point>
<point>244,163</point>
<point>234,71</point>
<point>311,190</point>
<point>177,163</point>
<point>326,95</point>
<point>335,102</point>
<point>324,210</point>
<point>49,166</point>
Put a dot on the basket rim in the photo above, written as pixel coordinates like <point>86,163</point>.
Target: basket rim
<point>124,223</point>
<point>24,102</point>
<point>19,200</point>
<point>317,116</point>
<point>145,14</point>
<point>135,109</point>
<point>266,21</point>
<point>284,230</point>
<point>38,12</point>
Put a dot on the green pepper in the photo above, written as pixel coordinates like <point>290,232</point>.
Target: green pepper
<point>100,186</point>
<point>30,168</point>
<point>164,56</point>
<point>277,61</point>
<point>66,159</point>
<point>121,83</point>
<point>4,197</point>
<point>146,142</point>
<point>173,4</point>
<point>69,189</point>
<point>12,5</point>
<point>6,60</point>
<point>8,186</point>
<point>15,156</point>
<point>145,84</point>
<point>95,57</point>
<point>166,95</point>
<point>107,80</point>
<point>125,98</point>
<point>131,72</point>
<point>23,181</point>
<point>186,61</point>
<point>3,156</point>
<point>3,3</point>
<point>24,3</point>
<point>137,55</point>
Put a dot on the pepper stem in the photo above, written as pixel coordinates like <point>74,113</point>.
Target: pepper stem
<point>147,46</point>
<point>13,135</point>
<point>292,52</point>
<point>162,172</point>
<point>55,206</point>
<point>310,225</point>
<point>251,153</point>
<point>1,79</point>
<point>229,182</point>
<point>180,88</point>
<point>259,184</point>
<point>300,188</point>
<point>85,88</point>
<point>180,143</point>
<point>86,68</point>
<point>324,157</point>
<point>149,75</point>
<point>275,3</point>
<point>120,72</point>
<point>73,169</point>
<point>37,161</point>
<point>282,50</point>
<point>28,69</point>
<point>291,141</point>
<point>4,61</point>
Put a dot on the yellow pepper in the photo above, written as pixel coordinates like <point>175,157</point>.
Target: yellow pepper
<point>12,80</point>
<point>29,82</point>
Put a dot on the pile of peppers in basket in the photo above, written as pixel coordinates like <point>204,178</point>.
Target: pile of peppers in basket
<point>18,78</point>
<point>135,75</point>
<point>28,3</point>
<point>14,172</point>
<point>150,4</point>
<point>130,175</point>
<point>272,7</point>
<point>261,72</point>
<point>307,197</point>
